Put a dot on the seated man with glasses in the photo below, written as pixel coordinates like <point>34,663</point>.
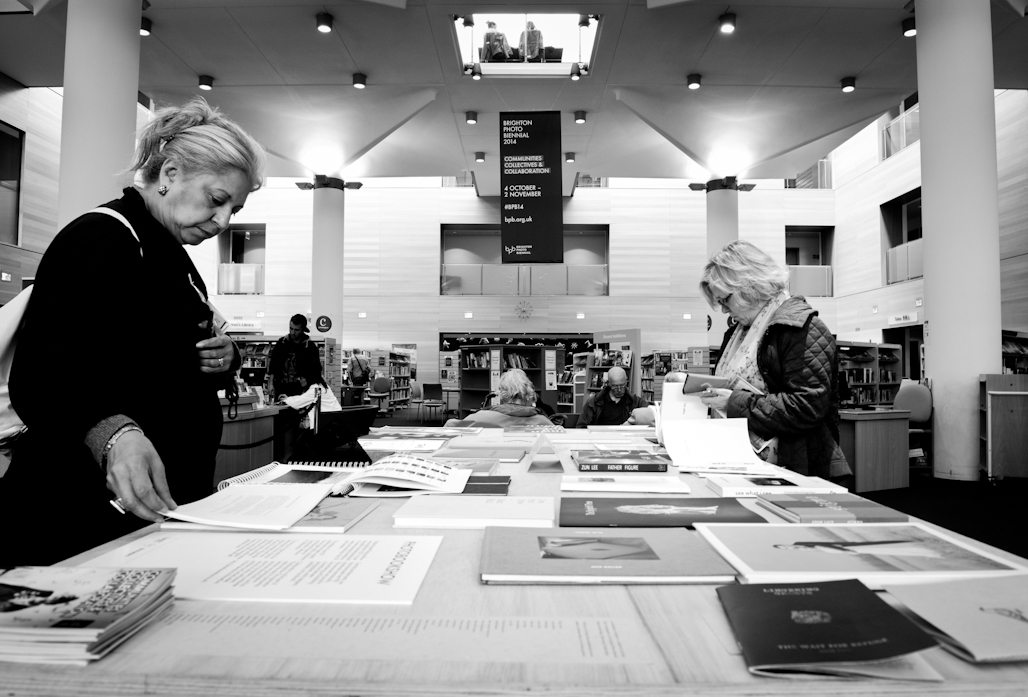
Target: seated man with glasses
<point>612,405</point>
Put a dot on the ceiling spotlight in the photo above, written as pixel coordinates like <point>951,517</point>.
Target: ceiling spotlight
<point>206,82</point>
<point>569,157</point>
<point>353,185</point>
<point>909,27</point>
<point>583,21</point>
<point>324,22</point>
<point>698,187</point>
<point>849,84</point>
<point>694,81</point>
<point>144,27</point>
<point>469,21</point>
<point>727,22</point>
<point>360,80</point>
<point>576,72</point>
<point>579,117</point>
<point>479,156</point>
<point>476,72</point>
<point>471,117</point>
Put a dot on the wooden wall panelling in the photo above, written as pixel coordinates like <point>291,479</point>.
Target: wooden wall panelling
<point>808,207</point>
<point>1014,291</point>
<point>1012,156</point>
<point>827,310</point>
<point>761,221</point>
<point>289,216</point>
<point>589,206</point>
<point>640,252</point>
<point>901,173</point>
<point>856,156</point>
<point>902,298</point>
<point>857,255</point>
<point>41,169</point>
<point>687,230</point>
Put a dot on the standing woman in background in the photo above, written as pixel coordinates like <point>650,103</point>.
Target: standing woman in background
<point>118,361</point>
<point>779,345</point>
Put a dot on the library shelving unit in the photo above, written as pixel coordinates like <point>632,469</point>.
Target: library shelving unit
<point>566,391</point>
<point>1002,413</point>
<point>255,352</point>
<point>481,366</point>
<point>1015,352</point>
<point>648,377</point>
<point>872,372</point>
<point>580,367</point>
<point>596,371</point>
<point>399,374</point>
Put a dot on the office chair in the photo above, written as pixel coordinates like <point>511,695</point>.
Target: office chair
<point>433,394</point>
<point>380,390</point>
<point>916,398</point>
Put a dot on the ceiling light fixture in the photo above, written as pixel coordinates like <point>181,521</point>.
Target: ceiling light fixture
<point>583,21</point>
<point>469,315</point>
<point>476,72</point>
<point>569,157</point>
<point>849,84</point>
<point>145,26</point>
<point>471,117</point>
<point>727,22</point>
<point>576,72</point>
<point>360,80</point>
<point>579,117</point>
<point>694,81</point>
<point>362,315</point>
<point>469,20</point>
<point>479,156</point>
<point>206,82</point>
<point>580,315</point>
<point>324,22</point>
<point>909,27</point>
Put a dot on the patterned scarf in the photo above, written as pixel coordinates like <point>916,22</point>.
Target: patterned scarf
<point>740,360</point>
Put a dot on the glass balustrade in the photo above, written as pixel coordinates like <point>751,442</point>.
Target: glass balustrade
<point>241,279</point>
<point>902,131</point>
<point>523,279</point>
<point>810,281</point>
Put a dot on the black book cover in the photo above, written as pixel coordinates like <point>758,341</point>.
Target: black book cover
<point>619,461</point>
<point>651,512</point>
<point>833,628</point>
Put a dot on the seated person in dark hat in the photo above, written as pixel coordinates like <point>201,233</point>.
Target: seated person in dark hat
<point>295,363</point>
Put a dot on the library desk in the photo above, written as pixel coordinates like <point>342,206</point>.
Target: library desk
<point>674,640</point>
<point>876,444</point>
<point>247,441</point>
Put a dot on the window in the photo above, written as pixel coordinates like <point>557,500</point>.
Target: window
<point>902,237</point>
<point>242,250</point>
<point>11,148</point>
<point>471,264</point>
<point>526,45</point>
<point>808,254</point>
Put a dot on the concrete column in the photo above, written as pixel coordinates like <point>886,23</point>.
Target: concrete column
<point>959,194</point>
<point>98,120</point>
<point>327,258</point>
<point>722,228</point>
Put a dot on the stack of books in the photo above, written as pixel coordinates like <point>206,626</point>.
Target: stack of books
<point>627,460</point>
<point>73,615</point>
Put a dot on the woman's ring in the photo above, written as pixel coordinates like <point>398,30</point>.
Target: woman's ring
<point>221,361</point>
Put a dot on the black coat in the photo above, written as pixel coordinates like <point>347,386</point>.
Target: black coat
<point>106,332</point>
<point>797,359</point>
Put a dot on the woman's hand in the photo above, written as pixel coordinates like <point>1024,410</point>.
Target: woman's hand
<point>715,398</point>
<point>135,474</point>
<point>216,353</point>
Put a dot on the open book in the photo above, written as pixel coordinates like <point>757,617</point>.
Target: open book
<point>404,475</point>
<point>293,473</point>
<point>697,382</point>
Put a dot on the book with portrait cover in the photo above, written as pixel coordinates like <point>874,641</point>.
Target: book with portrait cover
<point>628,460</point>
<point>829,508</point>
<point>651,512</point>
<point>588,555</point>
<point>831,628</point>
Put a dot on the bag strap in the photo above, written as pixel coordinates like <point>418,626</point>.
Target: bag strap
<point>124,221</point>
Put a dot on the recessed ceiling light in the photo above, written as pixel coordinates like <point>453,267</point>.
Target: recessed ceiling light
<point>360,80</point>
<point>727,22</point>
<point>324,22</point>
<point>206,82</point>
<point>569,157</point>
<point>479,156</point>
<point>849,84</point>
<point>476,72</point>
<point>145,25</point>
<point>579,117</point>
<point>694,81</point>
<point>471,117</point>
<point>909,27</point>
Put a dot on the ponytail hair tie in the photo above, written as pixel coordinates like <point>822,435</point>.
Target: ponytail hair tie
<point>165,141</point>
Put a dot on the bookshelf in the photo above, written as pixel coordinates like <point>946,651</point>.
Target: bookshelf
<point>872,371</point>
<point>580,366</point>
<point>255,352</point>
<point>399,374</point>
<point>1015,352</point>
<point>648,377</point>
<point>481,367</point>
<point>1002,412</point>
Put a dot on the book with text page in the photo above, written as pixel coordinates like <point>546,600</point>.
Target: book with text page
<point>475,512</point>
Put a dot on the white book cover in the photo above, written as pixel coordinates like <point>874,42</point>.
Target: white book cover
<point>983,620</point>
<point>636,482</point>
<point>254,506</point>
<point>476,512</point>
<point>783,482</point>
<point>874,553</point>
<point>402,474</point>
<point>362,569</point>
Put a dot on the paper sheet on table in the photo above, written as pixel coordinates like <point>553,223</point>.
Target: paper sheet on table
<point>255,506</point>
<point>711,445</point>
<point>676,407</point>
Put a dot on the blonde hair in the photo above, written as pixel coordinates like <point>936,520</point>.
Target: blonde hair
<point>516,388</point>
<point>199,138</point>
<point>742,269</point>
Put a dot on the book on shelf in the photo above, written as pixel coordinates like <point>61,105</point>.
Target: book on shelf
<point>651,512</point>
<point>269,567</point>
<point>73,615</point>
<point>829,508</point>
<point>293,473</point>
<point>335,514</point>
<point>597,556</point>
<point>625,483</point>
<point>761,484</point>
<point>983,620</point>
<point>831,628</point>
<point>402,474</point>
<point>874,553</point>
<point>627,460</point>
<point>475,512</point>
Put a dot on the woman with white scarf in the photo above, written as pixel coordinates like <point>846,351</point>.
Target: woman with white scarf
<point>779,346</point>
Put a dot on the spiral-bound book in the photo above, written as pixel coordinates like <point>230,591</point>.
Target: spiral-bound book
<point>292,473</point>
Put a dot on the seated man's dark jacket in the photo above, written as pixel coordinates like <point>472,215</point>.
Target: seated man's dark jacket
<point>595,404</point>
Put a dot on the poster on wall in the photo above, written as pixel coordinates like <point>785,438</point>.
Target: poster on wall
<point>531,215</point>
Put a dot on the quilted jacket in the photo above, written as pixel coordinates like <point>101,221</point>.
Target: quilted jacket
<point>798,361</point>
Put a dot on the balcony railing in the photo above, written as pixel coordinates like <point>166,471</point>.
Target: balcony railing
<point>905,261</point>
<point>241,279</point>
<point>902,131</point>
<point>810,281</point>
<point>523,279</point>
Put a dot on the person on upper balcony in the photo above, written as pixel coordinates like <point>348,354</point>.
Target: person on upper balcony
<point>495,48</point>
<point>530,45</point>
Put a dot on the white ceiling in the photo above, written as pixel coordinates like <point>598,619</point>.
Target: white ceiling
<point>770,91</point>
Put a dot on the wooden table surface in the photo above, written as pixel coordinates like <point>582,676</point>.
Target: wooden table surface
<point>681,643</point>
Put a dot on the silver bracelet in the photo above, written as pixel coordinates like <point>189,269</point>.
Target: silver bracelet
<point>114,439</point>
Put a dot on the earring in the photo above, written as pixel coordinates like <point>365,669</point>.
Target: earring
<point>162,189</point>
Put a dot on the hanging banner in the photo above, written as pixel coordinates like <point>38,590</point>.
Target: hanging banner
<point>532,215</point>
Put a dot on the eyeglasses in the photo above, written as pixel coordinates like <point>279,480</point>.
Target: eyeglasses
<point>617,386</point>
<point>723,302</point>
